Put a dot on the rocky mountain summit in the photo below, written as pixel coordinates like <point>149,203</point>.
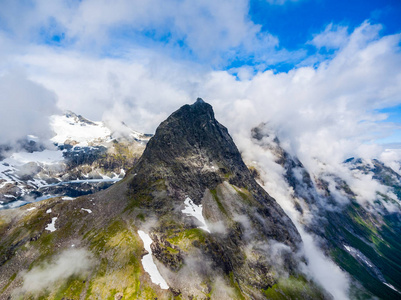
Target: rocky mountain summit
<point>209,230</point>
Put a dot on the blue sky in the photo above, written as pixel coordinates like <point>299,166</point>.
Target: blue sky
<point>331,67</point>
<point>296,22</point>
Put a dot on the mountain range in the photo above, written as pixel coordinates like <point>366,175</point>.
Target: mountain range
<point>189,219</point>
<point>84,157</point>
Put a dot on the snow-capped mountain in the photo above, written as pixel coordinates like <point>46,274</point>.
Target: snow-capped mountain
<point>82,157</point>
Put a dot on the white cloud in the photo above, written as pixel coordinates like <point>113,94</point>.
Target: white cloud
<point>392,158</point>
<point>323,270</point>
<point>25,108</point>
<point>66,264</point>
<point>328,112</point>
<point>333,37</point>
<point>206,29</point>
<point>281,2</point>
<point>319,267</point>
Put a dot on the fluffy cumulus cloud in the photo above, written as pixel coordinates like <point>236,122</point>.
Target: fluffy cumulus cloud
<point>203,30</point>
<point>328,112</point>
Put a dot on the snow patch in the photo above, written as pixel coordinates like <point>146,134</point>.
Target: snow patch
<point>51,227</point>
<point>148,263</point>
<point>193,210</point>
<point>358,255</point>
<point>49,211</point>
<point>87,210</point>
<point>45,157</point>
<point>67,198</point>
<point>392,287</point>
<point>32,208</point>
<point>68,128</point>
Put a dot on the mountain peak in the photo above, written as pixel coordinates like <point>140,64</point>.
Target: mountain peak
<point>193,155</point>
<point>192,149</point>
<point>193,159</point>
<point>199,101</point>
<point>189,113</point>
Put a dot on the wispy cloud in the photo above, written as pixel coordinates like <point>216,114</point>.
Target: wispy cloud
<point>333,37</point>
<point>68,263</point>
<point>281,2</point>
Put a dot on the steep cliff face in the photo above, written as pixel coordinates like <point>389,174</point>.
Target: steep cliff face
<point>209,230</point>
<point>192,155</point>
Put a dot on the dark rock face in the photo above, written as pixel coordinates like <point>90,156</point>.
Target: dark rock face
<point>193,155</point>
<point>184,149</point>
<point>192,152</point>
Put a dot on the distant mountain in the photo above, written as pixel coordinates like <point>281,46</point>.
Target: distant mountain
<point>187,221</point>
<point>362,237</point>
<point>83,157</point>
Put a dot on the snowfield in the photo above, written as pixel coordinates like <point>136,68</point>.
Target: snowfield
<point>66,128</point>
<point>46,157</point>
<point>148,263</point>
<point>193,210</point>
<point>52,226</point>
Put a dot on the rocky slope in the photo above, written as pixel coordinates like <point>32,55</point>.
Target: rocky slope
<point>211,232</point>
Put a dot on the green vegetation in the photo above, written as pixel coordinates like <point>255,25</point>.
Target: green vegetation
<point>236,287</point>
<point>172,250</point>
<point>141,217</point>
<point>119,250</point>
<point>136,200</point>
<point>293,288</point>
<point>71,289</point>
<point>121,156</point>
<point>185,239</point>
<point>244,194</point>
<point>376,237</point>
<point>218,202</point>
<point>9,282</point>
